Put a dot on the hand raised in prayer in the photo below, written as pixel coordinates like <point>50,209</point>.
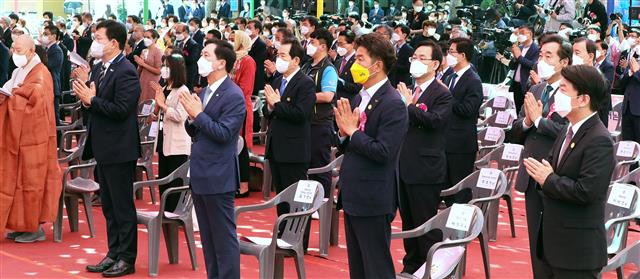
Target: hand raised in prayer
<point>138,59</point>
<point>160,98</point>
<point>81,73</point>
<point>533,107</point>
<point>535,79</point>
<point>405,93</point>
<point>346,119</point>
<point>539,171</point>
<point>633,66</point>
<point>84,92</point>
<point>273,97</point>
<point>191,103</point>
<point>270,67</point>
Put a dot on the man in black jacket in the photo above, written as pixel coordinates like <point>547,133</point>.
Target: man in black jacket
<point>574,181</point>
<point>346,50</point>
<point>597,13</point>
<point>111,97</point>
<point>191,52</point>
<point>49,40</point>
<point>423,168</point>
<point>84,40</point>
<point>403,52</point>
<point>137,37</point>
<point>194,29</point>
<point>258,52</point>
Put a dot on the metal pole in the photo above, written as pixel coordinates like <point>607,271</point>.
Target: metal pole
<point>145,9</point>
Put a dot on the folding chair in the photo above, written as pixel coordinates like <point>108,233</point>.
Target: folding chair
<point>489,139</point>
<point>627,153</point>
<point>328,211</point>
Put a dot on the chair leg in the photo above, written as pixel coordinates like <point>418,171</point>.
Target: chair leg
<point>300,266</point>
<point>335,219</point>
<point>620,273</point>
<point>266,262</point>
<point>57,226</point>
<point>171,241</point>
<point>191,243</point>
<point>507,198</point>
<point>325,228</point>
<point>492,220</point>
<point>484,247</point>
<point>138,193</point>
<point>86,200</point>
<point>278,267</point>
<point>72,212</point>
<point>153,230</point>
<point>149,171</point>
<point>266,180</point>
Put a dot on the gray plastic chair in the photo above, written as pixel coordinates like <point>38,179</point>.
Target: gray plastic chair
<point>491,121</point>
<point>145,110</point>
<point>494,159</point>
<point>632,177</point>
<point>77,183</point>
<point>497,103</point>
<point>66,146</point>
<point>486,141</point>
<point>623,163</point>
<point>148,137</point>
<point>482,198</point>
<point>169,222</point>
<point>328,211</point>
<point>617,218</point>
<point>452,238</point>
<point>615,118</point>
<point>629,255</point>
<point>271,256</point>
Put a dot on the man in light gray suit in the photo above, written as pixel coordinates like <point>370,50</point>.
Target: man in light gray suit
<point>537,128</point>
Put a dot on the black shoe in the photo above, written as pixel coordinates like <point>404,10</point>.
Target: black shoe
<point>242,195</point>
<point>31,237</point>
<point>103,265</point>
<point>121,268</point>
<point>13,235</point>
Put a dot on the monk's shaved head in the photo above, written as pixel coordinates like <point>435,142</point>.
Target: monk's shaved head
<point>24,42</point>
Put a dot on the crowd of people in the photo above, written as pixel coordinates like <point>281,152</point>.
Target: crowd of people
<point>397,90</point>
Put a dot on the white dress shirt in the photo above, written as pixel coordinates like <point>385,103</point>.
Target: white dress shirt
<point>213,87</point>
<point>368,93</point>
<point>554,89</point>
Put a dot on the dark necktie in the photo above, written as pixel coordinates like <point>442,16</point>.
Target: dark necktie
<point>103,72</point>
<point>283,86</point>
<point>567,141</point>
<point>344,62</point>
<point>545,99</point>
<point>452,83</point>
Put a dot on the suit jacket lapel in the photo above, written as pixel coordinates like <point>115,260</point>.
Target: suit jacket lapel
<point>110,70</point>
<point>375,100</point>
<point>576,138</point>
<point>217,94</point>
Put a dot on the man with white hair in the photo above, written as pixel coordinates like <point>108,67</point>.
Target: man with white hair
<point>31,185</point>
<point>5,24</point>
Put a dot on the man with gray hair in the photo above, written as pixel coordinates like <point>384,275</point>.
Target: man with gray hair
<point>5,24</point>
<point>191,52</point>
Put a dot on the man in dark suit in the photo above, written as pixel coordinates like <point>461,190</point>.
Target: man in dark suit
<point>603,62</point>
<point>191,52</point>
<point>462,134</point>
<point>423,168</point>
<point>215,119</point>
<point>84,40</point>
<point>258,52</point>
<point>184,11</point>
<point>371,136</point>
<point>168,9</point>
<point>524,59</point>
<point>5,27</point>
<point>137,37</point>
<point>55,57</point>
<point>537,128</point>
<point>198,11</point>
<point>630,84</point>
<point>289,109</point>
<point>351,9</point>
<point>225,10</point>
<point>66,44</point>
<point>111,98</point>
<point>584,51</point>
<point>194,29</point>
<point>574,183</point>
<point>523,10</point>
<point>4,63</point>
<point>404,51</point>
<point>376,14</point>
<point>346,50</point>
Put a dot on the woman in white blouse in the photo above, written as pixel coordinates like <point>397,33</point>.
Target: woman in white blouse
<point>174,144</point>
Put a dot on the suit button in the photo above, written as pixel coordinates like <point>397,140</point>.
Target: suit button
<point>535,137</point>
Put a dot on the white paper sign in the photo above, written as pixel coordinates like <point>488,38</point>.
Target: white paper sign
<point>153,131</point>
<point>492,134</point>
<point>625,149</point>
<point>621,195</point>
<point>460,217</point>
<point>305,191</point>
<point>511,152</point>
<point>488,178</point>
<point>443,262</point>
<point>146,109</point>
<point>500,102</point>
<point>502,117</point>
<point>613,121</point>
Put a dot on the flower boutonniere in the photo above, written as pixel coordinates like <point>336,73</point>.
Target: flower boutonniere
<point>185,52</point>
<point>363,121</point>
<point>422,106</point>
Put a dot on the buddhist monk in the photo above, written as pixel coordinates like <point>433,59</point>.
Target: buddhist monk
<point>30,185</point>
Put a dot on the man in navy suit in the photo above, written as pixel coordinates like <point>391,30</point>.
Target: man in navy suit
<point>191,52</point>
<point>603,62</point>
<point>194,28</point>
<point>137,37</point>
<point>376,14</point>
<point>289,109</point>
<point>525,57</point>
<point>49,39</point>
<point>404,51</point>
<point>111,98</point>
<point>168,9</point>
<point>346,50</point>
<point>184,11</point>
<point>462,134</point>
<point>630,84</point>
<point>423,164</point>
<point>225,10</point>
<point>371,136</point>
<point>215,119</point>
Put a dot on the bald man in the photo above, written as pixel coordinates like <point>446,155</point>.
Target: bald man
<point>29,167</point>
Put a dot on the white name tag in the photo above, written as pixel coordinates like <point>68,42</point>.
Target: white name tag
<point>460,217</point>
<point>492,134</point>
<point>305,191</point>
<point>153,131</point>
<point>511,152</point>
<point>502,118</point>
<point>488,178</point>
<point>625,149</point>
<point>500,102</point>
<point>146,109</point>
<point>621,195</point>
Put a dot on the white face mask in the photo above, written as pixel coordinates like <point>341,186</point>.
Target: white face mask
<point>266,33</point>
<point>19,60</point>
<point>513,38</point>
<point>281,65</point>
<point>431,31</point>
<point>418,69</point>
<point>351,4</point>
<point>276,44</point>
<point>341,51</point>
<point>598,54</point>
<point>522,38</point>
<point>631,41</point>
<point>274,30</point>
<point>545,70</point>
<point>562,103</point>
<point>147,42</point>
<point>248,32</point>
<point>577,60</point>
<point>148,27</point>
<point>165,72</point>
<point>395,37</point>
<point>593,37</point>
<point>227,34</point>
<point>311,49</point>
<point>96,50</point>
<point>417,9</point>
<point>304,30</point>
<point>129,26</point>
<point>376,6</point>
<point>204,66</point>
<point>452,60</point>
<point>192,29</point>
<point>44,40</point>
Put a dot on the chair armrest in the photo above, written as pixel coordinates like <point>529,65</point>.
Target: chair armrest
<point>611,222</point>
<point>514,168</point>
<point>486,199</point>
<point>285,216</point>
<point>413,233</point>
<point>254,207</point>
<point>75,167</point>
<point>165,195</point>
<point>450,191</point>
<point>319,170</point>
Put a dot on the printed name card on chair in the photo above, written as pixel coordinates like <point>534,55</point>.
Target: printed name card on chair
<point>625,149</point>
<point>500,102</point>
<point>146,109</point>
<point>511,152</point>
<point>153,131</point>
<point>488,178</point>
<point>503,117</point>
<point>460,217</point>
<point>621,195</point>
<point>492,134</point>
<point>305,191</point>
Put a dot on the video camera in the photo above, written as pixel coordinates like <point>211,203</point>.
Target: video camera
<point>576,34</point>
<point>500,38</point>
<point>474,13</point>
<point>615,16</point>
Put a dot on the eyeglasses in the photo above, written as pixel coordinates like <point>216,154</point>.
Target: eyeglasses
<point>411,59</point>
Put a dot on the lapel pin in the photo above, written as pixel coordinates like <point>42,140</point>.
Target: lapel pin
<point>217,95</point>
<point>288,99</point>
<point>369,107</point>
<point>573,144</point>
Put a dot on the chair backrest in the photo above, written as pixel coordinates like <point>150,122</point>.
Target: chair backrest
<point>490,137</point>
<point>622,201</point>
<point>300,196</point>
<point>626,153</point>
<point>615,118</point>
<point>500,119</point>
<point>149,131</point>
<point>147,150</point>
<point>146,107</point>
<point>453,220</point>
<point>632,177</point>
<point>628,255</point>
<point>484,183</point>
<point>506,158</point>
<point>257,103</point>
